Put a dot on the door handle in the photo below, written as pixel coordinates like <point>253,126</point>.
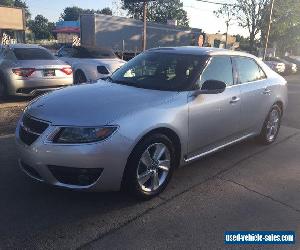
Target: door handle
<point>234,100</point>
<point>267,91</point>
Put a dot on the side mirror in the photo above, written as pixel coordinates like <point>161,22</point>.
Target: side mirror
<point>211,87</point>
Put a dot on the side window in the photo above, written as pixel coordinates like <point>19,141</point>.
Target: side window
<point>220,69</point>
<point>248,70</point>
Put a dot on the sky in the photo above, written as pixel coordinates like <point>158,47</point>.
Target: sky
<point>200,14</point>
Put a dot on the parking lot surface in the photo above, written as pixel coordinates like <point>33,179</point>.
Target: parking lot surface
<point>245,187</point>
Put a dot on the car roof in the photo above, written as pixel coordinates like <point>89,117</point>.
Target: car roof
<point>201,51</point>
<point>24,46</point>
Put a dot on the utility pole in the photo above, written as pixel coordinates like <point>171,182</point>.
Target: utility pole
<point>145,26</point>
<point>227,28</point>
<point>269,28</point>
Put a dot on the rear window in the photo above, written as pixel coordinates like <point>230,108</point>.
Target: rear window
<point>33,54</point>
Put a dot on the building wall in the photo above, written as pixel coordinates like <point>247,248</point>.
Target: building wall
<point>12,25</point>
<point>210,39</point>
<point>12,18</point>
<point>66,38</point>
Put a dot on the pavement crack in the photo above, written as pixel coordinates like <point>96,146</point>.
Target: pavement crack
<point>261,194</point>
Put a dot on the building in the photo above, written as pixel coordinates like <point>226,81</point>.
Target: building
<point>12,25</point>
<point>218,40</point>
<point>67,31</point>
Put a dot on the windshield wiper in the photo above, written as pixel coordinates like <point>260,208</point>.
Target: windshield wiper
<point>133,84</point>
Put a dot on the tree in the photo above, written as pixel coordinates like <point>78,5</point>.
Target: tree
<point>285,28</point>
<point>40,27</point>
<point>105,11</point>
<point>158,11</point>
<point>22,4</point>
<point>73,13</point>
<point>7,2</point>
<point>249,14</point>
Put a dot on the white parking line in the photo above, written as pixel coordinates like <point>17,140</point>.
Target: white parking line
<point>6,136</point>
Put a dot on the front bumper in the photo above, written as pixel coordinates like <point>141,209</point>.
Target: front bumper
<point>108,158</point>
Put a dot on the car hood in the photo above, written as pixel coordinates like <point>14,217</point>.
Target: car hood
<point>101,103</point>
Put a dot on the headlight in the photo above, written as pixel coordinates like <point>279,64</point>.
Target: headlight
<point>73,135</point>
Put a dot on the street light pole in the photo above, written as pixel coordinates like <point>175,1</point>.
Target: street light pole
<point>145,26</point>
<point>269,28</point>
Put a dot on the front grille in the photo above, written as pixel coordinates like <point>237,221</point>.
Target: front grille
<point>76,176</point>
<point>31,129</point>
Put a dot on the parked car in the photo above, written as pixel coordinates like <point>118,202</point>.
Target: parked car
<point>90,64</point>
<point>27,70</point>
<point>278,67</point>
<point>295,60</point>
<point>165,108</point>
<point>290,68</point>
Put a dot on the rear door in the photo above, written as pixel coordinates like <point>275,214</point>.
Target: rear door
<point>255,93</point>
<point>214,119</point>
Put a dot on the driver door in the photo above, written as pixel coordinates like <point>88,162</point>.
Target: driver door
<point>214,119</point>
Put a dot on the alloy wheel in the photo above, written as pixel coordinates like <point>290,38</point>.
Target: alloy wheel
<point>153,167</point>
<point>273,125</point>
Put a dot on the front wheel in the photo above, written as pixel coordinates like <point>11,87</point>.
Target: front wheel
<point>150,167</point>
<point>271,126</point>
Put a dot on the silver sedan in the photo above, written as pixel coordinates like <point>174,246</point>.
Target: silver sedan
<point>165,108</point>
<point>27,70</point>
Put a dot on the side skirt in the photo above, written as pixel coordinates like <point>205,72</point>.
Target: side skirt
<point>187,160</point>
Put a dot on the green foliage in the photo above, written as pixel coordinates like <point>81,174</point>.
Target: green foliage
<point>285,28</point>
<point>254,15</point>
<point>105,11</point>
<point>73,13</point>
<point>41,28</point>
<point>249,14</point>
<point>7,2</point>
<point>158,11</point>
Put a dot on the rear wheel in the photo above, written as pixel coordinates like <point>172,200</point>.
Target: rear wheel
<point>271,126</point>
<point>150,167</point>
<point>79,77</point>
<point>3,92</point>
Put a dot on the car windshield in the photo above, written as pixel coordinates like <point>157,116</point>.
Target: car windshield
<point>33,54</point>
<point>81,52</point>
<point>160,71</point>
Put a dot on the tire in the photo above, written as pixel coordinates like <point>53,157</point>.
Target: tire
<point>271,126</point>
<point>3,90</point>
<point>146,177</point>
<point>79,77</point>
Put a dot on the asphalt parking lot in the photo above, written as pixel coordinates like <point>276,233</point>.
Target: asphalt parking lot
<point>245,187</point>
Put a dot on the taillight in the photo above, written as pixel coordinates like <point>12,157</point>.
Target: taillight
<point>67,70</point>
<point>23,71</point>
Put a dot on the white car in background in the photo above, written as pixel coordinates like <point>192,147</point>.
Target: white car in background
<point>278,67</point>
<point>90,64</point>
